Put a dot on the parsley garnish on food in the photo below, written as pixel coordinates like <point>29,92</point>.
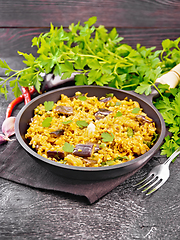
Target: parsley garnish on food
<point>82,98</point>
<point>107,137</point>
<point>67,147</point>
<point>130,132</point>
<point>110,95</point>
<point>136,110</point>
<point>47,122</point>
<point>67,122</point>
<point>81,123</point>
<point>121,158</point>
<point>118,114</point>
<point>48,105</point>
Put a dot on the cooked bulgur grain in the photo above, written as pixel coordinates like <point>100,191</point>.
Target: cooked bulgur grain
<point>90,132</point>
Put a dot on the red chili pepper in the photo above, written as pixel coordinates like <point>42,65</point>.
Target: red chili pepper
<point>17,101</point>
<point>26,94</point>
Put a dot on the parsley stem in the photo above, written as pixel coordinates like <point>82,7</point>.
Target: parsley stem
<point>157,89</point>
<point>130,85</point>
<point>93,56</point>
<point>111,53</point>
<point>17,72</point>
<point>89,48</point>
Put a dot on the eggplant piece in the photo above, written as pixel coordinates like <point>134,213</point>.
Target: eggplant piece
<point>57,133</point>
<point>76,96</point>
<point>89,161</point>
<point>107,99</point>
<point>55,154</point>
<point>96,148</point>
<point>143,119</point>
<point>64,110</point>
<point>101,113</point>
<point>83,150</point>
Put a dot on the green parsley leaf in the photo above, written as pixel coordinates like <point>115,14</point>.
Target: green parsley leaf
<point>102,145</point>
<point>120,158</point>
<point>80,79</point>
<point>144,88</point>
<point>48,105</point>
<point>47,122</point>
<point>82,98</point>
<point>67,147</point>
<point>130,132</point>
<point>81,123</point>
<point>118,114</point>
<point>67,122</point>
<point>110,162</point>
<point>107,137</point>
<point>110,95</point>
<point>136,110</point>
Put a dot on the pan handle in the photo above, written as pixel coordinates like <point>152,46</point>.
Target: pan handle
<point>154,93</point>
<point>172,78</point>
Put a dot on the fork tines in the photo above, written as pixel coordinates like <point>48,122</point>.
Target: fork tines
<point>150,184</point>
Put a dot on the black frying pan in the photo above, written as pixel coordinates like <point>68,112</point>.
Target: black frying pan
<point>91,173</point>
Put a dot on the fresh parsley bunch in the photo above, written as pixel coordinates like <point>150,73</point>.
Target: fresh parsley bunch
<point>169,107</point>
<point>97,55</point>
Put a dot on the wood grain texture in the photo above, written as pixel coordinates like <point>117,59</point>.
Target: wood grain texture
<point>27,213</point>
<point>111,13</point>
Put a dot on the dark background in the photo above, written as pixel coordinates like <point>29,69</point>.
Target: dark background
<point>124,213</point>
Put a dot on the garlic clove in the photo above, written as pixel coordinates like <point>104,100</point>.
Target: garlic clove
<point>3,139</point>
<point>8,126</point>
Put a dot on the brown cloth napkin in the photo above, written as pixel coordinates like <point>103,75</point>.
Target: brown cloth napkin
<point>16,165</point>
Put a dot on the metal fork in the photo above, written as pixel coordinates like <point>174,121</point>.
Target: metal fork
<point>157,176</point>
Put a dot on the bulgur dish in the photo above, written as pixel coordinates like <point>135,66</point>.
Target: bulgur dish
<point>90,132</point>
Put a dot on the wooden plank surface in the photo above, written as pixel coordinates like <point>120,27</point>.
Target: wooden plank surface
<point>111,13</point>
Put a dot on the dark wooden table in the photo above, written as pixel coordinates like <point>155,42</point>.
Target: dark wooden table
<point>124,213</point>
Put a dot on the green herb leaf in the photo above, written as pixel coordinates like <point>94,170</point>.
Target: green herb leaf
<point>118,114</point>
<point>107,137</point>
<point>136,110</point>
<point>121,158</point>
<point>82,98</point>
<point>81,123</point>
<point>67,147</point>
<point>67,122</point>
<point>102,145</point>
<point>144,88</point>
<point>130,132</point>
<point>48,105</point>
<point>47,122</point>
<point>110,95</point>
<point>110,162</point>
<point>81,79</point>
